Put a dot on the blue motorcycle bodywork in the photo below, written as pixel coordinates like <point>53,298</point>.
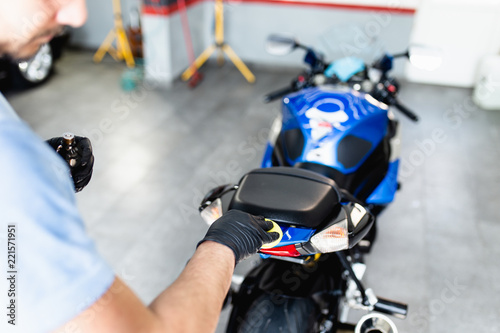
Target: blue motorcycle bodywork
<point>325,116</point>
<point>320,118</point>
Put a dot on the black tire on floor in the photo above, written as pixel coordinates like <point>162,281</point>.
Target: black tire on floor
<point>284,315</point>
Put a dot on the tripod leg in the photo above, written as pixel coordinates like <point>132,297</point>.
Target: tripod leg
<point>124,48</point>
<point>202,58</point>
<point>238,63</point>
<point>101,52</point>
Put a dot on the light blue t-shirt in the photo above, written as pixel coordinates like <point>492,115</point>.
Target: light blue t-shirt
<point>57,271</point>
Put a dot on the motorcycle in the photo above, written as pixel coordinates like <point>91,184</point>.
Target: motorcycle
<point>330,167</point>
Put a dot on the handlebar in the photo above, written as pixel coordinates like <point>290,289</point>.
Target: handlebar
<point>277,94</point>
<point>404,110</point>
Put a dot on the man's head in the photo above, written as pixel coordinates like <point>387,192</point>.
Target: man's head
<point>25,25</point>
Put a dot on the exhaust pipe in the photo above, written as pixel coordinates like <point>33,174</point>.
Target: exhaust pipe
<point>375,323</point>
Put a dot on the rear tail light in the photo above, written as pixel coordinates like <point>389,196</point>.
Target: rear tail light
<point>283,251</point>
<point>333,238</point>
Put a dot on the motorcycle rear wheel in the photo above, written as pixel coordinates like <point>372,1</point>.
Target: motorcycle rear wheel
<point>284,315</point>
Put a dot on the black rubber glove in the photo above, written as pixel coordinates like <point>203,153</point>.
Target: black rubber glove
<point>241,232</point>
<point>82,171</point>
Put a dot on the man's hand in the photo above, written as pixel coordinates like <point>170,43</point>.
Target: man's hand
<point>241,232</point>
<point>82,171</point>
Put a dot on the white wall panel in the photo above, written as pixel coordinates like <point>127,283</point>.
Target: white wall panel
<point>464,31</point>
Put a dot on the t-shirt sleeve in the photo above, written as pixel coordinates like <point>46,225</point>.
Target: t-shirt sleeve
<point>58,272</point>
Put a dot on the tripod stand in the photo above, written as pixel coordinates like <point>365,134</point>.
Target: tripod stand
<point>122,50</point>
<point>221,47</point>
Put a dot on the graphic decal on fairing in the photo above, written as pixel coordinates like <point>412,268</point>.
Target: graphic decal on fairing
<point>325,115</point>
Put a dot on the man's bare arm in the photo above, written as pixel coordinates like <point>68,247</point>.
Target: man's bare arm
<point>194,301</point>
<point>191,304</point>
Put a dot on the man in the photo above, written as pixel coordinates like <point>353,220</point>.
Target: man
<point>54,269</point>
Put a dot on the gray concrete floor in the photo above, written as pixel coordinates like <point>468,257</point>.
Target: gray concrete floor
<point>158,151</point>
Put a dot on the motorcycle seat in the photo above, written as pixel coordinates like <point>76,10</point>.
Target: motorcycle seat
<point>288,195</point>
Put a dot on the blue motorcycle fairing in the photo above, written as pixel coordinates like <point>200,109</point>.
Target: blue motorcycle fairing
<point>386,62</point>
<point>325,116</point>
<point>267,161</point>
<point>292,235</point>
<point>385,191</point>
<point>311,58</point>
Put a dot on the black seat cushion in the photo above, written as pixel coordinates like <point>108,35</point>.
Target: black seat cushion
<point>289,195</point>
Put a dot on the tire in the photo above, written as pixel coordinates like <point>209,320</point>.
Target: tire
<point>34,71</point>
<point>284,315</point>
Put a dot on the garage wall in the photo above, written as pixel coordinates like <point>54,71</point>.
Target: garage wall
<point>371,24</point>
<point>366,30</point>
<point>165,52</point>
<point>100,22</point>
<point>462,32</point>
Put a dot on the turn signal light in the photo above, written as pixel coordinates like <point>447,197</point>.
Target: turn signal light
<point>212,212</point>
<point>332,239</point>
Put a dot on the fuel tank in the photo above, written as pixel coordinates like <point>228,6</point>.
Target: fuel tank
<point>336,128</point>
<point>341,133</point>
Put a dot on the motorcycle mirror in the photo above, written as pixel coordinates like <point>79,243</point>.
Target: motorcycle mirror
<point>425,57</point>
<point>280,44</point>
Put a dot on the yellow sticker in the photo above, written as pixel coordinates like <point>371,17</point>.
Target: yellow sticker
<point>275,228</point>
